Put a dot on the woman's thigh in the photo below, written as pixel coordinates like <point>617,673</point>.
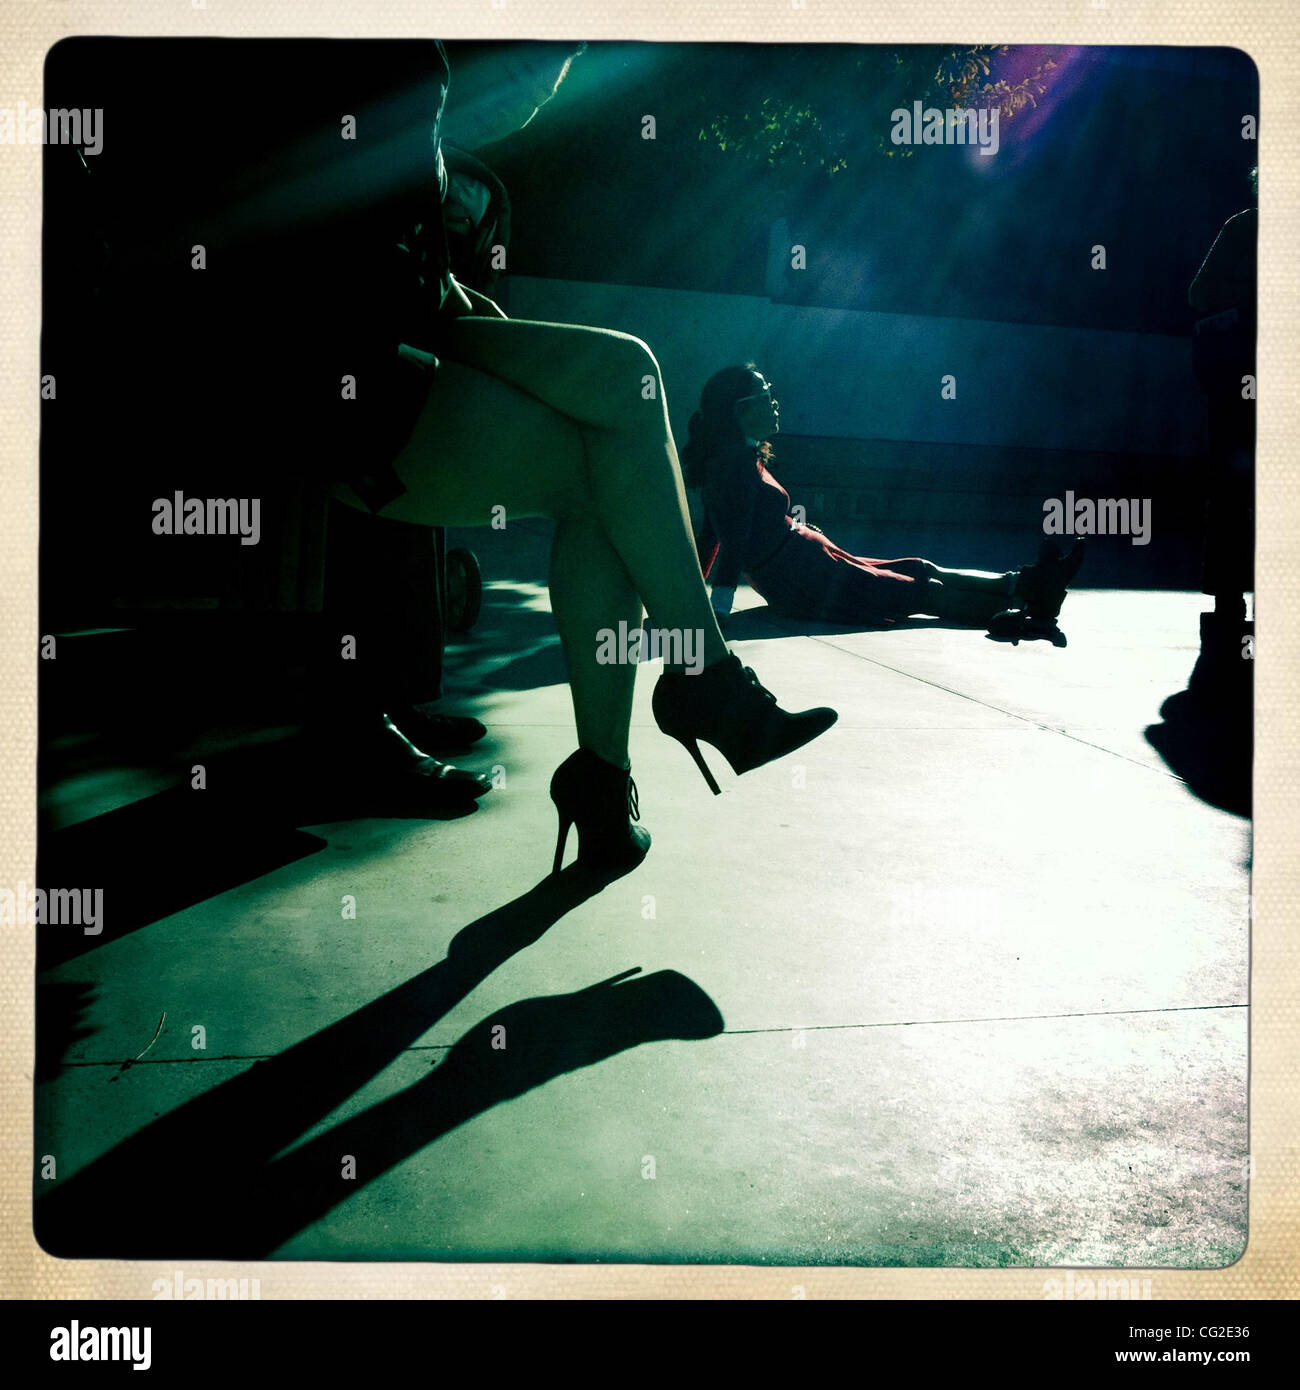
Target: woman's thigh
<point>480,444</point>
<point>596,377</point>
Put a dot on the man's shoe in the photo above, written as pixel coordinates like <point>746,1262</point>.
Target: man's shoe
<point>442,783</point>
<point>438,731</point>
<point>393,763</point>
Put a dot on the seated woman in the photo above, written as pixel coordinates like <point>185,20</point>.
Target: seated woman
<point>481,412</point>
<point>800,571</point>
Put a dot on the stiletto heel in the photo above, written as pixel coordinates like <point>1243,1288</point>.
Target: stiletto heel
<point>601,800</point>
<point>726,705</point>
<point>693,748</point>
<point>565,823</point>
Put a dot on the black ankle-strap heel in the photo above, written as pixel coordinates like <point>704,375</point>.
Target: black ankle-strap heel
<point>727,706</point>
<point>601,800</point>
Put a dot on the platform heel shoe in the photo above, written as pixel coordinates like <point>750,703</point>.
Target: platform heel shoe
<point>601,800</point>
<point>1040,591</point>
<point>725,705</point>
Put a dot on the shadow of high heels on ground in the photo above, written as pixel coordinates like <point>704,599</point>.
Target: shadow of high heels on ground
<point>512,1051</point>
<point>208,1179</point>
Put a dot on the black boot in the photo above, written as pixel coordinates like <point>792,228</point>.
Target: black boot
<point>1043,586</point>
<point>725,705</point>
<point>601,800</point>
<point>1040,589</point>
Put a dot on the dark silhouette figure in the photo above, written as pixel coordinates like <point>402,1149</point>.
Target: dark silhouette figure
<point>1208,732</point>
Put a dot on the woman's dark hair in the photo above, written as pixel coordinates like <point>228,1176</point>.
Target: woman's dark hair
<point>713,427</point>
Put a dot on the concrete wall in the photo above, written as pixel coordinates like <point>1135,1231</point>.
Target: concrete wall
<point>887,467</point>
<point>854,375</point>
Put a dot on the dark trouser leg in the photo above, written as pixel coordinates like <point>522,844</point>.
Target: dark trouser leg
<point>981,581</point>
<point>972,605</point>
<point>383,588</point>
<point>971,596</point>
<point>1229,557</point>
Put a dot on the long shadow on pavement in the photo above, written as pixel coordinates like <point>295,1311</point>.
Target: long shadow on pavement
<point>211,1180</point>
<point>167,852</point>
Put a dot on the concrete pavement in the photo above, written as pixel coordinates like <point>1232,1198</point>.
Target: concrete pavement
<point>964,982</point>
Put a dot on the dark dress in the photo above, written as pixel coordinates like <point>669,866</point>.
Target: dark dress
<point>799,571</point>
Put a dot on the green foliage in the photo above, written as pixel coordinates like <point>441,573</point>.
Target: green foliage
<point>827,109</point>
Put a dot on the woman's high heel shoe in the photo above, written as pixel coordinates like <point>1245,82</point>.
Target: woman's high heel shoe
<point>601,800</point>
<point>725,705</point>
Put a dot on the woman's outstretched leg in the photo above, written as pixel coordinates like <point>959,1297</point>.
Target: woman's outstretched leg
<point>971,596</point>
<point>980,581</point>
<point>973,606</point>
<point>961,596</point>
<point>1034,593</point>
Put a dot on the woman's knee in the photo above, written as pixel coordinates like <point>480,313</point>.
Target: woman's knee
<point>630,378</point>
<point>640,354</point>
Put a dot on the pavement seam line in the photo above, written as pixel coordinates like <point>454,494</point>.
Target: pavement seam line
<point>975,700</point>
<point>738,1032</point>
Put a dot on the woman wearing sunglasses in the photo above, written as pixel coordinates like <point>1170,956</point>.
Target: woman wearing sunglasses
<point>800,571</point>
